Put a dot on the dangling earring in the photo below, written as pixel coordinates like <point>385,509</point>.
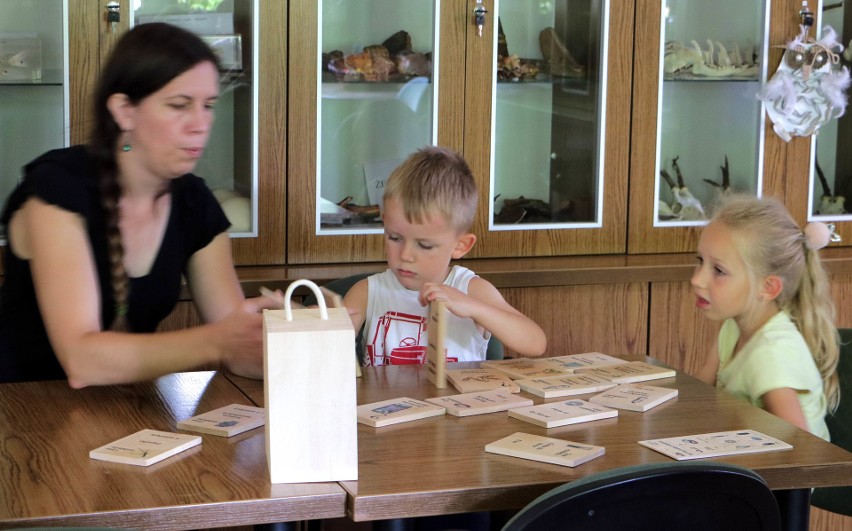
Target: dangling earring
<point>125,147</point>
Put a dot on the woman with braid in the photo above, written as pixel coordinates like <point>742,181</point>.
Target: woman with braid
<point>100,235</point>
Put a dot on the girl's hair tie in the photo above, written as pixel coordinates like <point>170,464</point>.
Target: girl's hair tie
<point>818,235</point>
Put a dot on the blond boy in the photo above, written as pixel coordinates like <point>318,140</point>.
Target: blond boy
<point>429,206</point>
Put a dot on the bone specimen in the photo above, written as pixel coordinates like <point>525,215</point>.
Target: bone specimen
<point>685,206</point>
<point>725,186</point>
<point>829,204</point>
<point>682,61</point>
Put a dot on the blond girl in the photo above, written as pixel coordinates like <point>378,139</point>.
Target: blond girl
<point>778,346</point>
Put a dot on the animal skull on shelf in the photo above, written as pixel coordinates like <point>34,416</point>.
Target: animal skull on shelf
<point>685,206</point>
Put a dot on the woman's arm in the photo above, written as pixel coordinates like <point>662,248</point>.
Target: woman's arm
<point>67,289</point>
<point>487,307</point>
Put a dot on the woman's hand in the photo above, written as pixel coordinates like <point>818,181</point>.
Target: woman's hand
<point>241,337</point>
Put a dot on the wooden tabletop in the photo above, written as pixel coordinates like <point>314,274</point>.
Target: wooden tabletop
<point>47,478</point>
<point>439,466</point>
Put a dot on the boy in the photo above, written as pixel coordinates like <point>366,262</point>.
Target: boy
<point>429,205</point>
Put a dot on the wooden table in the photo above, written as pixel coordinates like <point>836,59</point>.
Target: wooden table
<point>439,466</point>
<point>48,479</point>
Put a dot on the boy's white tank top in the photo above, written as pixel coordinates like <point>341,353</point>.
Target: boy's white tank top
<point>395,324</point>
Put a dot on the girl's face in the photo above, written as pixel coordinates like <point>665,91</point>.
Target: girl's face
<point>720,281</point>
<point>169,128</point>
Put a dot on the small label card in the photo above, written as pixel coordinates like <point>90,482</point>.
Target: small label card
<point>146,447</point>
<point>474,380</point>
<point>226,421</point>
<point>715,444</point>
<point>631,372</point>
<point>555,414</point>
<point>523,368</point>
<point>572,384</point>
<point>396,411</point>
<point>545,449</point>
<point>634,397</point>
<point>467,404</point>
<point>589,359</point>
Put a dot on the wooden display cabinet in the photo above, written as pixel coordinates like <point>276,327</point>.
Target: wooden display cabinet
<point>545,106</point>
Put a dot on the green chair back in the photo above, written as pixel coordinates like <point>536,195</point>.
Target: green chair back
<point>839,499</point>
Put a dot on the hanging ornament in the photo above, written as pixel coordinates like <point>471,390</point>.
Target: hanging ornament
<point>809,87</point>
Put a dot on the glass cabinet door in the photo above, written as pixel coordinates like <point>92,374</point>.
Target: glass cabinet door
<point>711,64</point>
<point>549,105</point>
<point>555,182</point>
<point>230,162</point>
<point>376,103</point>
<point>831,159</point>
<point>369,84</point>
<point>33,85</point>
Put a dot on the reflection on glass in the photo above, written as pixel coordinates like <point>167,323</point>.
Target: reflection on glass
<point>33,86</point>
<point>549,103</point>
<point>710,122</point>
<point>229,164</point>
<point>377,69</point>
<point>831,182</point>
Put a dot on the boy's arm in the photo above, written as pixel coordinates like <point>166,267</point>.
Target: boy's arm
<point>708,371</point>
<point>355,302</point>
<point>486,306</point>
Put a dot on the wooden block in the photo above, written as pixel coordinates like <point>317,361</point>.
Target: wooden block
<point>634,397</point>
<point>555,414</point>
<point>436,354</point>
<point>396,411</point>
<point>567,385</point>
<point>467,404</point>
<point>226,421</point>
<point>309,391</point>
<point>545,449</point>
<point>474,380</point>
<point>145,447</point>
<point>632,372</point>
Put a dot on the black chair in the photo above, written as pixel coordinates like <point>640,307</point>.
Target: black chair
<point>342,285</point>
<point>661,496</point>
<point>839,499</point>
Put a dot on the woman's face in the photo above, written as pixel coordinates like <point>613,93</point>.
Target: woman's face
<point>170,127</point>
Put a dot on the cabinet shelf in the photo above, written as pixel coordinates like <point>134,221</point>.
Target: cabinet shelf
<point>375,90</point>
<point>31,83</point>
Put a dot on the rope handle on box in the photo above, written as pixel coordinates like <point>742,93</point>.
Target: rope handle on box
<point>288,312</point>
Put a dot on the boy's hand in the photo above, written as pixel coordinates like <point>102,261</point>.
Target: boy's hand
<point>460,304</point>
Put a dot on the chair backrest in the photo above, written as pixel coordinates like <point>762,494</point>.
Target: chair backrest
<point>673,495</point>
<point>839,499</point>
